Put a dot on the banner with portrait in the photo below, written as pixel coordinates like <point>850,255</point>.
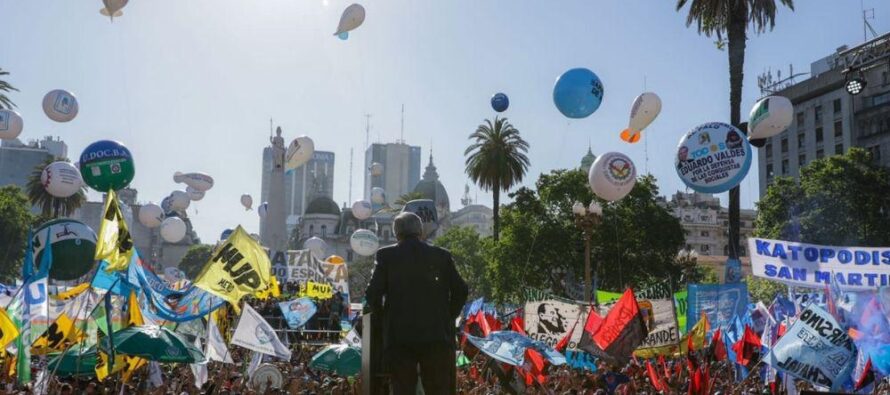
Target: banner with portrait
<point>548,321</point>
<point>720,302</point>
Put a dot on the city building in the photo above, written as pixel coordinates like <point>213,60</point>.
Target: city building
<point>273,224</point>
<point>587,161</point>
<point>828,119</point>
<point>401,169</point>
<point>301,185</point>
<point>18,160</point>
<point>706,223</point>
<point>475,216</point>
<point>431,188</point>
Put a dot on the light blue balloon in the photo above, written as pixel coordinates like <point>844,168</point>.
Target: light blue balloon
<point>343,36</point>
<point>578,93</point>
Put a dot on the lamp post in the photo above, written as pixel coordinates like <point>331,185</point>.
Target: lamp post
<point>587,218</point>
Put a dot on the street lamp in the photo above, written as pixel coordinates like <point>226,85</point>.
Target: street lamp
<point>587,218</point>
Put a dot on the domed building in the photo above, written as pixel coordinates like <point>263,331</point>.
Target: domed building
<point>321,218</point>
<point>431,188</point>
<point>587,160</point>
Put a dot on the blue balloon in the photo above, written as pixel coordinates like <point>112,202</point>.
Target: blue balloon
<point>578,93</point>
<point>500,102</point>
<point>343,36</point>
<point>225,234</point>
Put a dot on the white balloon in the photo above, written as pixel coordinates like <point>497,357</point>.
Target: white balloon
<point>769,117</point>
<point>644,110</point>
<point>11,124</point>
<point>151,215</point>
<point>352,17</point>
<point>60,105</point>
<point>298,152</point>
<point>113,8</point>
<point>263,209</point>
<point>316,246</point>
<point>173,229</point>
<point>376,169</point>
<point>612,176</point>
<point>247,201</point>
<point>361,210</point>
<point>198,181</point>
<point>194,194</point>
<point>179,200</point>
<point>61,179</point>
<point>378,195</point>
<point>364,242</point>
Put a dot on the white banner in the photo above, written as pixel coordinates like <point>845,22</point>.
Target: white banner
<point>548,321</point>
<point>661,321</point>
<point>300,266</point>
<point>254,333</point>
<point>812,265</point>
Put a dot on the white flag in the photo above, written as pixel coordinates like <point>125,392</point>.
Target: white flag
<point>255,361</point>
<point>352,339</point>
<point>155,376</point>
<point>254,333</point>
<point>199,370</point>
<point>216,346</point>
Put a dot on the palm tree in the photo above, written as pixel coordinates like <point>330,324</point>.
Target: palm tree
<point>404,199</point>
<point>731,18</point>
<point>5,87</point>
<point>496,160</point>
<point>51,206</point>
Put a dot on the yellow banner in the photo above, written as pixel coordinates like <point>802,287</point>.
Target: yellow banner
<point>273,290</point>
<point>135,319</point>
<point>8,331</point>
<point>73,292</point>
<point>316,290</point>
<point>114,243</point>
<point>58,336</point>
<point>238,267</point>
<point>120,363</point>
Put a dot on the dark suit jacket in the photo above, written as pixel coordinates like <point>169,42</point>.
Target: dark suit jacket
<point>423,294</point>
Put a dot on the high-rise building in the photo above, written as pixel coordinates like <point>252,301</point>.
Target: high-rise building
<point>401,169</point>
<point>301,185</point>
<point>828,119</point>
<point>18,160</point>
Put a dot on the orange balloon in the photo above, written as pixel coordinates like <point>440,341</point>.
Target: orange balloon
<point>631,136</point>
<point>335,259</point>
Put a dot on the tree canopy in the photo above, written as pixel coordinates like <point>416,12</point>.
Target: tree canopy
<point>15,220</point>
<point>195,259</point>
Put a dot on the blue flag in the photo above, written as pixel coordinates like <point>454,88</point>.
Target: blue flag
<point>163,303</point>
<point>298,311</point>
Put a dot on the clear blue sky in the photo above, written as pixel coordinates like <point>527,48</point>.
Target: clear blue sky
<point>191,85</point>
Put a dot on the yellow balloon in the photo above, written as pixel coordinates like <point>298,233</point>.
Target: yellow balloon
<point>335,259</point>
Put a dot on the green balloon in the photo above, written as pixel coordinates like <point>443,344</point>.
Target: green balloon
<point>73,247</point>
<point>107,165</point>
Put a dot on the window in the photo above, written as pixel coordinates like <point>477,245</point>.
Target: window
<point>837,106</point>
<point>704,218</point>
<point>875,152</point>
<point>801,140</point>
<point>819,135</point>
<point>769,150</point>
<point>820,153</point>
<point>877,100</point>
<point>838,129</point>
<point>769,170</point>
<point>705,249</point>
<point>885,77</point>
<point>839,149</point>
<point>784,166</point>
<point>311,230</point>
<point>801,160</point>
<point>784,145</point>
<point>324,231</point>
<point>705,233</point>
<point>818,115</point>
<point>800,119</point>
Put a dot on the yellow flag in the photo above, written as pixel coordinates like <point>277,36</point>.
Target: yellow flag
<point>73,292</point>
<point>102,365</point>
<point>316,290</point>
<point>8,331</point>
<point>220,317</point>
<point>114,243</point>
<point>238,267</point>
<point>133,363</point>
<point>698,334</point>
<point>58,336</point>
<point>273,290</point>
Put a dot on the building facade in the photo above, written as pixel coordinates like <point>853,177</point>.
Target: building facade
<point>475,216</point>
<point>18,160</point>
<point>706,223</point>
<point>401,169</point>
<point>827,119</point>
<point>301,185</point>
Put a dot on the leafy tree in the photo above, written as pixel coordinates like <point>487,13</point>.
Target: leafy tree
<point>840,200</point>
<point>763,290</point>
<point>195,259</point>
<point>51,206</point>
<point>731,18</point>
<point>496,161</point>
<point>15,220</point>
<point>467,247</point>
<point>5,87</point>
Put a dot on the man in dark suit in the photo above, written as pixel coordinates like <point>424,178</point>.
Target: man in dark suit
<point>420,294</point>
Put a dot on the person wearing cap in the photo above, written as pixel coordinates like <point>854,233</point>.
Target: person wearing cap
<point>419,293</point>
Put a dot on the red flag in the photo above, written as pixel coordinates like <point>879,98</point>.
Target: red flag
<point>493,323</point>
<point>653,377</point>
<point>667,373</point>
<point>719,349</point>
<point>481,320</point>
<point>867,377</point>
<point>695,386</point>
<point>781,331</point>
<point>564,342</point>
<point>517,325</point>
<point>747,347</point>
<point>619,333</point>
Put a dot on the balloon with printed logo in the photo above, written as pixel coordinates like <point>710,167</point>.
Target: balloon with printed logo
<point>179,200</point>
<point>225,234</point>
<point>107,165</point>
<point>194,194</point>
<point>352,17</point>
<point>769,117</point>
<point>364,242</point>
<point>198,181</point>
<point>61,179</point>
<point>578,93</point>
<point>298,152</point>
<point>11,124</point>
<point>378,195</point>
<point>173,229</point>
<point>643,111</point>
<point>362,210</point>
<point>713,157</point>
<point>612,176</point>
<point>500,102</point>
<point>151,215</point>
<point>316,246</point>
<point>60,105</point>
<point>247,201</point>
<point>73,246</point>
<point>376,169</point>
<point>263,209</point>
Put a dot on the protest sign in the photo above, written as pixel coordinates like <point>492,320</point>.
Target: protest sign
<point>812,265</point>
<point>548,321</point>
<point>720,302</point>
<point>299,266</point>
<point>298,311</point>
<point>316,290</point>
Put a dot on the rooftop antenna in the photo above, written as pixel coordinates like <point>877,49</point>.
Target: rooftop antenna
<point>402,133</point>
<point>866,27</point>
<point>367,130</point>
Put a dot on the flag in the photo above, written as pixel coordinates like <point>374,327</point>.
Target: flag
<point>620,333</point>
<point>517,325</point>
<point>747,348</point>
<point>254,333</point>
<point>238,267</point>
<point>72,292</point>
<point>255,361</point>
<point>216,346</point>
<point>155,376</point>
<point>718,348</point>
<point>474,307</point>
<point>534,365</point>
<point>696,337</point>
<point>103,362</point>
<point>272,291</point>
<point>653,377</point>
<point>107,280</point>
<point>480,320</point>
<point>564,342</point>
<point>135,319</point>
<point>199,370</point>
<point>8,330</point>
<point>866,377</point>
<point>114,243</point>
<point>58,336</point>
